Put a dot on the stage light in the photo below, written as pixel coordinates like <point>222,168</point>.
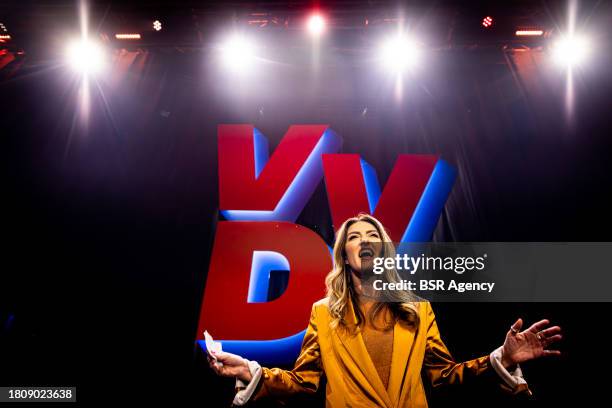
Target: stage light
<point>157,25</point>
<point>399,53</point>
<point>85,56</point>
<point>529,33</point>
<point>570,51</point>
<point>316,24</point>
<point>4,35</point>
<point>128,36</point>
<point>487,21</point>
<point>238,53</point>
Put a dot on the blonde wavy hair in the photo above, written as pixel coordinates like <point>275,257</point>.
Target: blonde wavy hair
<point>340,287</point>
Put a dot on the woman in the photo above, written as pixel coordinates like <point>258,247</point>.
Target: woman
<point>372,352</point>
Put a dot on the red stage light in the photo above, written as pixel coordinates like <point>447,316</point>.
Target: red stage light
<point>487,22</point>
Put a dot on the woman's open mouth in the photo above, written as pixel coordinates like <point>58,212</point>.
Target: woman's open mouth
<point>366,253</point>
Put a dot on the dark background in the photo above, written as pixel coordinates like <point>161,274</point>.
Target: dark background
<point>108,225</point>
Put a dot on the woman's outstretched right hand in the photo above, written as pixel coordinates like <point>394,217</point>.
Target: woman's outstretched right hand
<point>233,365</point>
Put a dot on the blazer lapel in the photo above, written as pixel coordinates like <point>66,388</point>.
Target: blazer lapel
<point>403,342</point>
<point>357,350</point>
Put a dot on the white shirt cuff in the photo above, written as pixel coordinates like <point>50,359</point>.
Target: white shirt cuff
<point>243,395</point>
<point>513,379</point>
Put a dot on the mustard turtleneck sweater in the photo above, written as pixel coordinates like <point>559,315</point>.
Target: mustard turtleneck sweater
<point>378,341</point>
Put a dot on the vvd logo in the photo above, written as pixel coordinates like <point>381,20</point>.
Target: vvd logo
<point>261,197</point>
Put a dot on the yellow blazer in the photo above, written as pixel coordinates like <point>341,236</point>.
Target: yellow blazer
<point>352,379</point>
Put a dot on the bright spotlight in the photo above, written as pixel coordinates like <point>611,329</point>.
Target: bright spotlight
<point>487,22</point>
<point>157,25</point>
<point>399,54</point>
<point>85,57</point>
<point>570,51</point>
<point>316,24</point>
<point>238,54</point>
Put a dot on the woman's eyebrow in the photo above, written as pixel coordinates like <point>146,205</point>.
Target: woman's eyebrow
<point>359,233</point>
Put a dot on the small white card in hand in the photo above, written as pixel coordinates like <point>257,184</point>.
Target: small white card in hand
<point>212,345</point>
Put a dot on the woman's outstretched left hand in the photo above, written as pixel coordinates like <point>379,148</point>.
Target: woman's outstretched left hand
<point>529,344</point>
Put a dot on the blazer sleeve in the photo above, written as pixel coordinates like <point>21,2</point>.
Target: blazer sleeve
<point>303,378</point>
<point>441,368</point>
